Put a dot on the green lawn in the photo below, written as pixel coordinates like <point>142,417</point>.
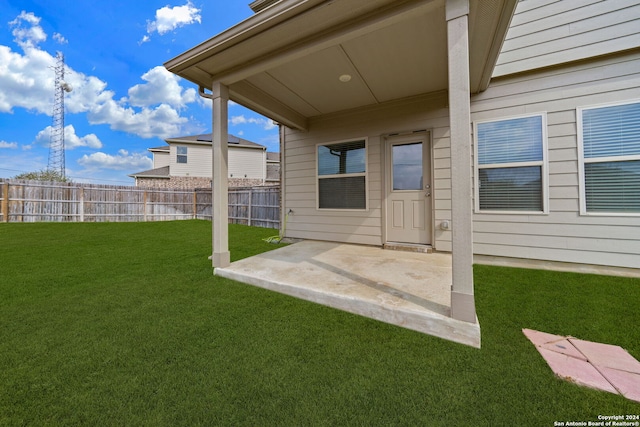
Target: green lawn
<point>124,324</point>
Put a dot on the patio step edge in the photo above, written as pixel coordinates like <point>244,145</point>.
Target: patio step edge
<point>429,323</point>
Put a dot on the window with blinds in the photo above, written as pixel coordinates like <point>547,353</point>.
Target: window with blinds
<point>342,171</point>
<point>609,142</point>
<point>510,160</point>
<point>181,154</point>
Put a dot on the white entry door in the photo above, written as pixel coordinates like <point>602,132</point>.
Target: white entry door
<point>409,189</point>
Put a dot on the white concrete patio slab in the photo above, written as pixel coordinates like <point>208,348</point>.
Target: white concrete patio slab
<point>411,290</point>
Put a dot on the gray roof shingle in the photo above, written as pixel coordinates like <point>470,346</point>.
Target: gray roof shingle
<point>206,138</point>
<point>162,172</point>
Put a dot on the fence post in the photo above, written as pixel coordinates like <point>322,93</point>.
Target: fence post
<point>144,205</point>
<point>195,204</point>
<point>5,202</point>
<point>81,207</point>
<point>249,207</point>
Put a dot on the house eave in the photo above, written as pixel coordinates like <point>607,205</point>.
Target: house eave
<point>289,32</point>
<point>148,176</point>
<point>504,21</point>
<point>192,140</point>
<point>250,27</point>
<point>259,5</point>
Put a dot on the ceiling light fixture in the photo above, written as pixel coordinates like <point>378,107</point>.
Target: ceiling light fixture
<point>345,78</point>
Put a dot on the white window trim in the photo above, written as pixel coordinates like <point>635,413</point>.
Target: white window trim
<point>544,163</point>
<point>582,160</point>
<point>178,155</point>
<point>365,174</point>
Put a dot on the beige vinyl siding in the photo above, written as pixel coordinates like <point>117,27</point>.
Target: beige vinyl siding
<point>372,124</point>
<point>545,33</point>
<point>247,163</point>
<point>242,161</point>
<point>161,159</point>
<point>562,235</point>
<point>198,161</point>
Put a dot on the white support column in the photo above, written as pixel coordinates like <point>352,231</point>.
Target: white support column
<point>220,184</point>
<point>462,299</point>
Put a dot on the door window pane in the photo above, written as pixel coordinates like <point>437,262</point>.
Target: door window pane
<point>407,166</point>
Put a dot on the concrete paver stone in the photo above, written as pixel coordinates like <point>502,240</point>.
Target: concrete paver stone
<point>627,383</point>
<point>610,356</point>
<point>601,366</point>
<point>576,370</point>
<point>565,347</point>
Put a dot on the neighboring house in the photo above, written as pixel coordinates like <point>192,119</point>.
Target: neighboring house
<point>467,126</point>
<point>186,163</point>
<point>273,167</point>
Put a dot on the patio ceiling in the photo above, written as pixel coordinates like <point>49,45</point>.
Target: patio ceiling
<point>288,61</point>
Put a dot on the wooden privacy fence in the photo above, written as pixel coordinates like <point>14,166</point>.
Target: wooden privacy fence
<point>257,206</point>
<point>35,201</point>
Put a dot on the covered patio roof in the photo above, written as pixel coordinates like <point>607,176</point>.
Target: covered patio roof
<point>299,59</point>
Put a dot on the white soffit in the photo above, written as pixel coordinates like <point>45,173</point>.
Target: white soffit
<point>384,65</point>
<point>290,71</point>
<point>315,79</point>
<point>405,59</point>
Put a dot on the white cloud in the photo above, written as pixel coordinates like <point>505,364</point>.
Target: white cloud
<point>60,38</point>
<point>88,92</point>
<point>266,124</point>
<point>161,87</point>
<point>5,144</point>
<point>121,161</point>
<point>27,81</point>
<point>170,18</point>
<point>30,35</point>
<point>71,140</point>
<point>162,121</point>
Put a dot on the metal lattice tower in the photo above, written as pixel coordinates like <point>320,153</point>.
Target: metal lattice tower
<point>56,140</point>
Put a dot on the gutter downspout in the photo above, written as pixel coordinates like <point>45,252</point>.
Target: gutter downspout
<point>202,92</point>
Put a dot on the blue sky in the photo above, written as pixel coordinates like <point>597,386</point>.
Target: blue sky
<point>123,99</point>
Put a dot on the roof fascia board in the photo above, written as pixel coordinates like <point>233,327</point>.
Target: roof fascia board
<point>192,142</point>
<point>248,96</point>
<point>250,147</point>
<point>260,5</point>
<point>508,9</point>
